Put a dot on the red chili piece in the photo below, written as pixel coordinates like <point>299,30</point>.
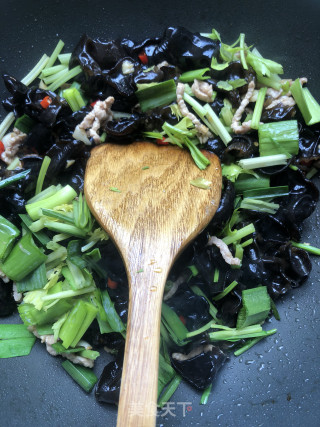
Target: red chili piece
<point>162,141</point>
<point>93,104</point>
<point>46,102</point>
<point>112,284</point>
<point>183,319</point>
<point>2,148</point>
<point>143,58</point>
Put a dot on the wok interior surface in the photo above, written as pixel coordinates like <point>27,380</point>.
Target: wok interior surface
<point>277,381</point>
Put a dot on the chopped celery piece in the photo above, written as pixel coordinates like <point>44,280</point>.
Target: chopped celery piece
<point>57,215</point>
<point>175,327</point>
<point>8,181</point>
<point>262,66</point>
<point>31,316</point>
<point>23,259</point>
<point>239,334</point>
<point>309,107</point>
<point>34,73</point>
<point>59,227</point>
<point>266,193</point>
<point>55,54</point>
<point>6,123</point>
<point>113,317</point>
<point>201,183</point>
<point>64,58</point>
<point>247,346</point>
<point>81,213</point>
<point>85,377</point>
<point>77,278</point>
<point>69,294</point>
<point>14,331</point>
<point>41,236</point>
<point>255,122</point>
<point>189,76</point>
<point>154,135</point>
<point>66,77</point>
<point>199,158</point>
<point>156,95</point>
<point>59,348</point>
<point>311,249</point>
<point>205,395</point>
<point>43,170</point>
<point>73,98</point>
<point>8,234</point>
<point>239,234</point>
<point>48,71</point>
<point>263,162</point>
<point>75,255</point>
<point>256,307</point>
<point>15,347</point>
<point>37,279</point>
<point>51,79</point>
<point>89,354</point>
<point>278,138</point>
<point>48,192</point>
<point>24,123</point>
<point>171,388</point>
<point>65,195</point>
<point>45,330</point>
<point>272,81</point>
<point>258,205</point>
<point>242,54</point>
<point>250,183</point>
<point>77,322</point>
<point>225,292</point>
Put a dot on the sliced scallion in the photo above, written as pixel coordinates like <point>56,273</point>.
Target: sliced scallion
<point>85,377</point>
<point>37,279</point>
<point>14,331</point>
<point>205,395</point>
<point>226,291</point>
<point>263,162</point>
<point>15,347</point>
<point>8,234</point>
<point>156,95</point>
<point>43,170</point>
<point>256,307</point>
<point>255,122</point>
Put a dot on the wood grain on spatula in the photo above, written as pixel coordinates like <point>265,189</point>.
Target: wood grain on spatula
<point>154,214</point>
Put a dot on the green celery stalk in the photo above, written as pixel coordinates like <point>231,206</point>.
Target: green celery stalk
<point>259,205</point>
<point>247,346</point>
<point>242,49</point>
<point>48,71</point>
<point>263,162</point>
<point>43,170</point>
<point>171,388</point>
<point>176,328</point>
<point>15,347</point>
<point>34,73</point>
<point>73,98</point>
<point>225,292</point>
<point>8,234</point>
<point>189,76</point>
<point>255,122</point>
<point>205,395</point>
<point>66,77</point>
<point>8,181</point>
<point>89,354</point>
<point>113,318</point>
<point>57,215</point>
<point>278,138</point>
<point>156,95</point>
<point>31,316</point>
<point>91,313</point>
<point>44,194</point>
<point>72,325</point>
<point>37,279</point>
<point>81,375</point>
<point>24,258</point>
<point>249,182</point>
<point>59,348</point>
<point>239,234</point>
<point>311,249</point>
<point>267,193</point>
<point>55,54</point>
<point>256,307</point>
<point>65,195</point>
<point>64,58</point>
<point>59,227</point>
<point>308,106</point>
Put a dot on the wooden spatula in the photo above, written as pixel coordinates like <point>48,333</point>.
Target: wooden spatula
<point>142,196</point>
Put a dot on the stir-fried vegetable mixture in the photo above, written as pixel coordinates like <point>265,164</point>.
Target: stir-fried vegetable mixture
<point>181,88</point>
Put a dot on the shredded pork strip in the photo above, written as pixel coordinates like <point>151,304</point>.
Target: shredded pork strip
<point>203,132</point>
<point>12,142</point>
<point>202,90</point>
<point>195,352</point>
<point>224,250</point>
<point>236,126</point>
<point>100,114</point>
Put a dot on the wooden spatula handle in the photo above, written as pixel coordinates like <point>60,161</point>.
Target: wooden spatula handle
<point>139,382</point>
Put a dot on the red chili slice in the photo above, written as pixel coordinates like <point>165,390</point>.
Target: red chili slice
<point>112,284</point>
<point>46,102</point>
<point>2,148</point>
<point>162,141</point>
<point>183,319</point>
<point>143,58</point>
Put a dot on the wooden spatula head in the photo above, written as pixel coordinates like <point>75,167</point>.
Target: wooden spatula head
<point>142,196</point>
